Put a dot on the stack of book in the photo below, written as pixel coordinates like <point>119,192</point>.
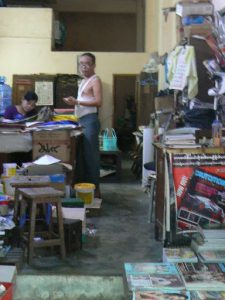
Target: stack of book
<point>207,295</point>
<point>211,234</point>
<point>175,255</point>
<point>198,276</point>
<point>212,256</point>
<point>214,244</point>
<point>162,295</point>
<point>210,248</point>
<point>180,140</point>
<point>142,277</point>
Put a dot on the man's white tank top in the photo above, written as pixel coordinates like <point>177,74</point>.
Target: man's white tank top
<point>81,110</point>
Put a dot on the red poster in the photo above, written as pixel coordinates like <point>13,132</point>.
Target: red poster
<point>199,181</point>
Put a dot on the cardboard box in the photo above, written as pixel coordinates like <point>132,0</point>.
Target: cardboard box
<point>56,143</point>
<point>72,234</point>
<point>164,102</point>
<point>197,29</point>
<point>76,213</point>
<point>187,9</point>
<point>52,169</point>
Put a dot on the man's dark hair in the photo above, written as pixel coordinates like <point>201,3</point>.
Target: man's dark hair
<point>30,95</point>
<point>92,56</point>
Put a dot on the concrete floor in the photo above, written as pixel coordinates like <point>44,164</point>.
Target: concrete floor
<point>124,234</point>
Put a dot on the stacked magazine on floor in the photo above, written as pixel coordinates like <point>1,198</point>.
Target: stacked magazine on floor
<point>199,276</point>
<point>175,280</point>
<point>181,254</point>
<point>210,247</point>
<point>152,278</point>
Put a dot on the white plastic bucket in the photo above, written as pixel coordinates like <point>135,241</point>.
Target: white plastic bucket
<point>85,191</point>
<point>9,169</point>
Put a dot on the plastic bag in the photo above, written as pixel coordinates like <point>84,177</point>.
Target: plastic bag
<point>109,140</point>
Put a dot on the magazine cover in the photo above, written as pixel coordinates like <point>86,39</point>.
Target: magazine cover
<point>199,182</point>
<point>212,256</point>
<point>182,254</point>
<point>215,267</point>
<point>207,295</point>
<point>148,276</point>
<point>162,295</point>
<point>198,276</point>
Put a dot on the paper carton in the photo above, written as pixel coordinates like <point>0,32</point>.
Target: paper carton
<point>55,143</point>
<point>187,9</point>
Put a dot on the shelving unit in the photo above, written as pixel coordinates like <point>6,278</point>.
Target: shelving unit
<point>111,160</point>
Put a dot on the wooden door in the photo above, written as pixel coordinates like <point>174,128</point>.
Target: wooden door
<point>124,87</point>
<point>124,115</point>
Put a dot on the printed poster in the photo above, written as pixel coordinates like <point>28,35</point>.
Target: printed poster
<point>199,182</point>
<point>44,90</point>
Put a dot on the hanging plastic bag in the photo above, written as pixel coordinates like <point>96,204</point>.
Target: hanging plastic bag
<point>109,140</point>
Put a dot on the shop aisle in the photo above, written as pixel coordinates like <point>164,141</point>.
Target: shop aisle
<point>123,234</point>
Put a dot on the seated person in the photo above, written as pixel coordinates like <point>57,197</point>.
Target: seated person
<point>26,109</point>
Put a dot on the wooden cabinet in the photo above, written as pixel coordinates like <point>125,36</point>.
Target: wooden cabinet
<point>65,85</point>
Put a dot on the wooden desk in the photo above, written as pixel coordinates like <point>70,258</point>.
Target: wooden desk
<point>162,158</point>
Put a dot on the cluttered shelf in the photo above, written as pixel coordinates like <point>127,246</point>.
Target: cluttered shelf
<point>189,189</point>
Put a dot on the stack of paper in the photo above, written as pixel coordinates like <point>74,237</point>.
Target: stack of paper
<point>180,140</point>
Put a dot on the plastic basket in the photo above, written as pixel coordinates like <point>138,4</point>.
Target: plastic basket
<point>109,140</point>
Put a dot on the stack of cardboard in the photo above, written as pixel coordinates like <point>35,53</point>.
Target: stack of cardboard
<point>194,8</point>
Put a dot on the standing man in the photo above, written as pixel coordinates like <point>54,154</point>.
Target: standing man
<point>86,105</point>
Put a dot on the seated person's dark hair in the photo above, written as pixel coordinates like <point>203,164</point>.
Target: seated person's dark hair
<point>30,95</point>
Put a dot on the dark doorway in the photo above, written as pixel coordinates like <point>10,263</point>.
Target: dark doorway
<point>124,116</point>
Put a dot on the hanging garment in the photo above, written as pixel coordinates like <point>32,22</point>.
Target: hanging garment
<point>182,71</point>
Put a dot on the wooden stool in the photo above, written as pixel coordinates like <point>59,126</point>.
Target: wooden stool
<point>25,182</point>
<point>43,195</point>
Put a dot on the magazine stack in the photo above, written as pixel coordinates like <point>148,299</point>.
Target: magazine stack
<point>199,276</point>
<point>210,247</point>
<point>153,278</point>
<point>182,254</point>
